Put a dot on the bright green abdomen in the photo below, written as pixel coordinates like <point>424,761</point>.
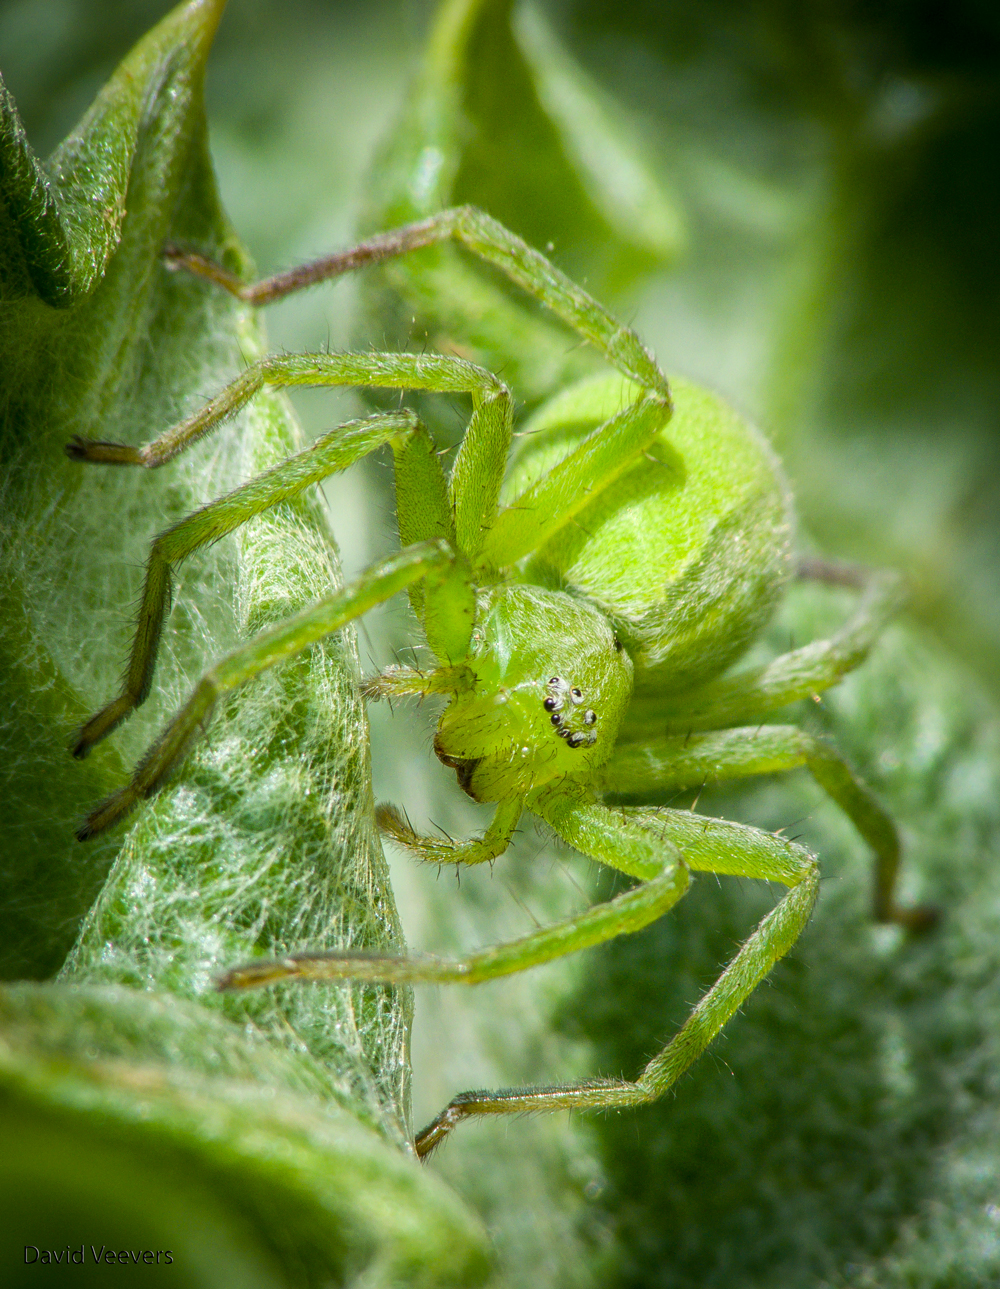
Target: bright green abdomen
<point>688,551</point>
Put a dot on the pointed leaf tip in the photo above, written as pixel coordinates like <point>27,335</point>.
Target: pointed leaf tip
<point>60,220</point>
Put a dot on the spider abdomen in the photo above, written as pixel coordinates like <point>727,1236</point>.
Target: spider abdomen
<point>688,551</point>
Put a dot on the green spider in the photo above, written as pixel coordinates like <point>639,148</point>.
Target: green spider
<point>584,605</point>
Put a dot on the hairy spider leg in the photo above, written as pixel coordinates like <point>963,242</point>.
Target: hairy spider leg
<point>707,845</point>
<point>748,696</point>
<point>628,912</point>
<point>421,496</point>
<point>571,484</point>
<point>331,452</point>
<point>443,850</point>
<point>658,846</point>
<point>484,237</point>
<point>276,644</point>
<point>284,371</point>
<point>656,765</point>
<point>660,748</point>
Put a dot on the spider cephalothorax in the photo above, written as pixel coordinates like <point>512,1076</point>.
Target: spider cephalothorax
<point>582,608</point>
<point>547,693</point>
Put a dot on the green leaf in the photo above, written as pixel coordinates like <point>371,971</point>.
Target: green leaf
<point>500,116</point>
<point>609,164</point>
<point>286,1112</point>
<point>137,1119</point>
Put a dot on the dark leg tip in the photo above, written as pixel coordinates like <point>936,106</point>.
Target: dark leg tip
<point>102,452</point>
<point>922,918</point>
<point>108,814</point>
<point>918,920</point>
<point>427,1141</point>
<point>432,1136</point>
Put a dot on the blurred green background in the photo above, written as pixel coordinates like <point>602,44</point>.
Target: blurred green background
<point>834,166</point>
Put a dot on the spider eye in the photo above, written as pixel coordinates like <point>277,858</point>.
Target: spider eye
<point>618,645</point>
<point>550,704</point>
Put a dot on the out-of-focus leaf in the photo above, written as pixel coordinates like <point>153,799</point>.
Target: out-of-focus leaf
<point>134,1120</point>
<point>617,178</point>
<point>499,116</point>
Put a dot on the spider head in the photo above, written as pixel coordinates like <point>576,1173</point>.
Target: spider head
<point>550,686</point>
